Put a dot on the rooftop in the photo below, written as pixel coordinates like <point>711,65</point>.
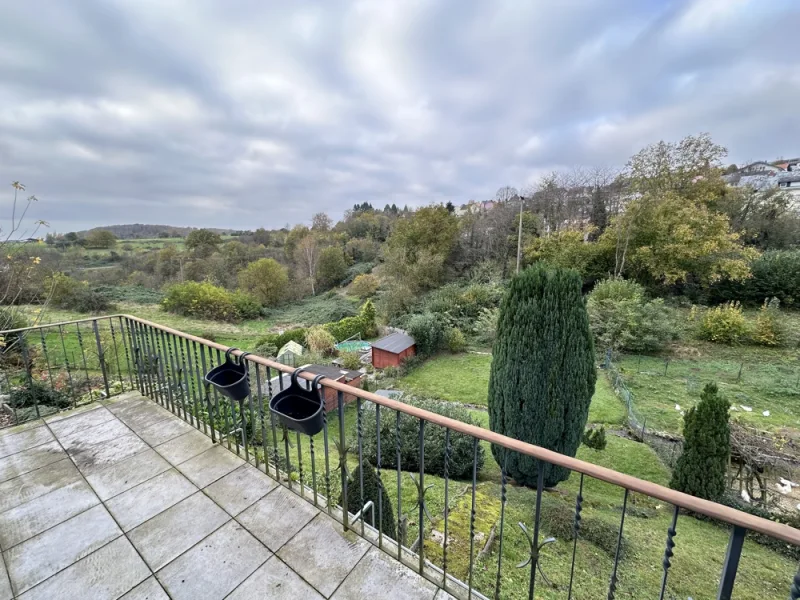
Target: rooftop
<point>394,342</point>
<point>124,499</point>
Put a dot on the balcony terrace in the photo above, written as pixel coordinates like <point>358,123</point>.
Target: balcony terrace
<point>139,481</point>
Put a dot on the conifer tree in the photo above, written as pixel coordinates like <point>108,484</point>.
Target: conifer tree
<point>372,484</point>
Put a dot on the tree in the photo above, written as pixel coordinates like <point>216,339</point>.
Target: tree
<point>203,242</point>
<point>266,279</point>
<point>703,464</point>
<point>543,374</point>
<point>307,257</point>
<point>599,216</point>
<point>321,222</point>
<point>364,285</point>
<point>331,268</point>
<point>373,491</point>
<point>100,238</point>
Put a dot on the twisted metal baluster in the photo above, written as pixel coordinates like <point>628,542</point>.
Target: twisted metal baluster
<point>46,359</point>
<point>668,551</point>
<point>198,363</point>
<point>209,407</point>
<point>223,411</point>
<point>343,458</point>
<point>447,451</point>
<point>576,531</point>
<point>83,355</point>
<point>380,479</point>
<point>272,424</point>
<point>421,496</point>
<point>360,438</point>
<point>535,542</point>
<point>794,591</point>
<point>399,488</point>
<point>169,371</point>
<point>116,354</point>
<point>128,365</point>
<point>188,380</point>
<point>612,584</point>
<point>252,422</point>
<point>327,460</point>
<point>66,364</point>
<point>503,496</point>
<point>260,393</point>
<point>101,357</point>
<point>300,465</point>
<point>472,513</point>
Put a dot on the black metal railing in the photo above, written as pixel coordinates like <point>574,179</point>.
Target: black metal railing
<point>453,515</point>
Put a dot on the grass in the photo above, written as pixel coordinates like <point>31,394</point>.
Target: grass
<point>465,378</point>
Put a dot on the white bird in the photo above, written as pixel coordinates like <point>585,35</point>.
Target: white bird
<point>746,408</point>
<point>784,489</point>
<point>683,414</point>
<point>734,408</point>
<point>745,496</point>
<point>677,407</point>
<point>787,482</point>
<point>798,507</point>
<point>765,413</point>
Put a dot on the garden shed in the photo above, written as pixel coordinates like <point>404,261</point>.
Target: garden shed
<point>290,354</point>
<point>392,350</point>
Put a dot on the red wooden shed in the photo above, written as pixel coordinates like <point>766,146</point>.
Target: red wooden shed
<point>392,350</point>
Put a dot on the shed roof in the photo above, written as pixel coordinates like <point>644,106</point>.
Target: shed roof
<point>292,347</point>
<point>395,342</point>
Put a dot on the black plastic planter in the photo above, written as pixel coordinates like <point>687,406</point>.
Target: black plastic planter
<point>300,409</point>
<point>230,378</point>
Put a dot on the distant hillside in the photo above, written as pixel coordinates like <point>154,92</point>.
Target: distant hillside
<point>137,231</point>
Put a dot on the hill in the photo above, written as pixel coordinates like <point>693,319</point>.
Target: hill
<point>139,231</point>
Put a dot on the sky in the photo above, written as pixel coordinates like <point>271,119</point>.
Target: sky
<point>259,113</point>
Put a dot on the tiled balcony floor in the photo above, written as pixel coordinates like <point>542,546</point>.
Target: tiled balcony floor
<point>125,500</point>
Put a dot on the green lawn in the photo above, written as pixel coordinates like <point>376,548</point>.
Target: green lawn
<point>465,378</point>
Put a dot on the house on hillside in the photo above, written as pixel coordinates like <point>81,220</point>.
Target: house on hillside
<point>392,350</point>
<point>764,176</point>
<point>334,373</point>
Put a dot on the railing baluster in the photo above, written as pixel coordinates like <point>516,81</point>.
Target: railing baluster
<point>260,407</point>
<point>120,376</point>
<point>173,377</point>
<point>794,590</point>
<point>46,359</point>
<point>503,483</point>
<point>400,537</point>
<point>147,362</point>
<point>136,354</point>
<point>206,391</point>
<point>66,364</point>
<point>576,528</point>
<point>731,565</point>
<point>446,503</point>
<point>83,356</point>
<point>536,521</point>
<point>360,438</point>
<point>472,514</point>
<point>300,465</point>
<point>26,361</point>
<point>343,458</point>
<point>668,551</point>
<point>216,400</point>
<point>186,369</point>
<point>164,370</point>
<point>421,499</point>
<point>122,334</point>
<point>378,468</point>
<point>252,423</point>
<point>612,584</point>
<point>101,357</point>
<point>329,500</point>
<point>275,456</point>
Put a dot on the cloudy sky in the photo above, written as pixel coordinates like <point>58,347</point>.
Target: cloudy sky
<point>248,113</point>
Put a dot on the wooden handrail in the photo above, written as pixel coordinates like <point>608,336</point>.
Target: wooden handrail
<point>691,503</point>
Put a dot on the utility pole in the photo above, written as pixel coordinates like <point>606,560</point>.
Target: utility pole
<point>519,236</point>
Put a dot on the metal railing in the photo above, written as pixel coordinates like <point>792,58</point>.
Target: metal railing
<point>81,361</point>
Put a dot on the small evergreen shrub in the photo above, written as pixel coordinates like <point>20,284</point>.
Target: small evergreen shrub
<point>460,464</point>
<point>455,340</point>
<point>595,438</point>
<point>428,331</point>
<point>558,520</point>
<point>724,324</point>
<point>702,466</point>
<point>485,327</point>
<point>372,483</point>
<point>37,394</point>
<point>768,329</point>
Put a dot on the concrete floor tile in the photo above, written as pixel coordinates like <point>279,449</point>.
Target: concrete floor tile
<point>40,557</point>
<point>276,581</point>
<point>215,566</point>
<point>11,444</point>
<point>84,420</point>
<point>30,460</point>
<point>144,415</point>
<point>20,428</point>
<point>240,489</point>
<point>37,483</point>
<point>107,573</point>
<point>164,431</point>
<point>119,404</point>
<point>377,575</point>
<point>323,554</point>
<point>32,518</point>
<point>126,474</point>
<point>442,595</point>
<point>169,534</point>
<point>66,414</point>
<point>206,468</point>
<point>111,429</point>
<point>149,589</point>
<point>146,500</point>
<point>93,458</point>
<point>277,517</point>
<point>5,584</point>
<point>184,447</point>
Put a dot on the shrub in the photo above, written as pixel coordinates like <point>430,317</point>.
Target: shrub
<point>364,286</point>
<point>331,267</point>
<point>208,301</point>
<point>11,344</point>
<point>768,330</point>
<point>363,324</point>
<point>558,519</point>
<point>595,438</point>
<point>318,339</point>
<point>461,453</point>
<point>703,463</point>
<point>246,306</point>
<point>622,318</point>
<point>266,350</point>
<point>37,394</point>
<point>350,360</point>
<point>485,328</point>
<point>428,331</point>
<point>372,483</point>
<point>774,274</point>
<point>724,324</point>
<point>455,340</point>
<point>543,375</point>
<point>130,293</point>
<point>462,305</point>
<point>266,279</point>
<point>72,294</point>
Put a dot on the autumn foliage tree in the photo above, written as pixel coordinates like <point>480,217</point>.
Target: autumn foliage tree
<point>266,280</point>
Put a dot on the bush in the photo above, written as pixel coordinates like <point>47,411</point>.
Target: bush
<point>455,340</point>
<point>130,293</point>
<point>350,360</point>
<point>71,294</point>
<point>774,274</point>
<point>622,318</point>
<point>769,330</point>
<point>266,279</point>
<point>363,324</point>
<point>485,328</point>
<point>372,484</point>
<point>558,519</point>
<point>461,453</point>
<point>595,438</point>
<point>543,375</point>
<point>208,301</point>
<point>428,331</point>
<point>462,305</point>
<point>266,349</point>
<point>10,344</point>
<point>723,324</point>
<point>703,464</point>
<point>318,339</point>
<point>364,286</point>
<point>37,394</point>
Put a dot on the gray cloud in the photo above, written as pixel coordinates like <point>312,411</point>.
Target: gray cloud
<point>247,114</point>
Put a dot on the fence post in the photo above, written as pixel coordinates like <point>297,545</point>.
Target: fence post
<point>101,357</point>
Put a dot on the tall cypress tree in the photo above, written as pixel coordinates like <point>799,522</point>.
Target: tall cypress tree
<point>703,464</point>
<point>543,373</point>
<point>372,484</point>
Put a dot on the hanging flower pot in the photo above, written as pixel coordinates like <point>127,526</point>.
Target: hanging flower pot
<point>230,378</point>
<point>298,408</point>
